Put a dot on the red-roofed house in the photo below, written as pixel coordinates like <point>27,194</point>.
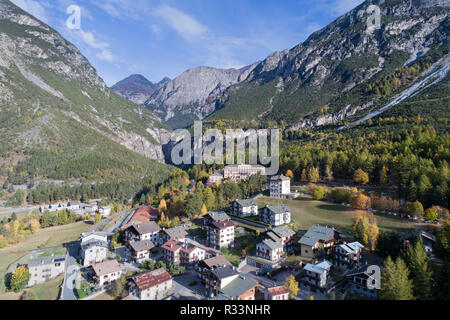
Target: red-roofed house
<point>141,215</point>
<point>181,253</point>
<point>220,234</point>
<point>191,254</point>
<point>277,293</point>
<point>171,251</point>
<point>153,285</point>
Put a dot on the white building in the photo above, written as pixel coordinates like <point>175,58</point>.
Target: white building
<point>270,250</point>
<point>242,171</point>
<point>277,293</point>
<point>153,285</point>
<point>275,215</point>
<point>280,187</point>
<point>43,269</point>
<point>94,247</point>
<point>316,275</point>
<point>105,211</point>
<point>143,231</point>
<point>107,272</point>
<point>244,208</point>
<point>220,234</point>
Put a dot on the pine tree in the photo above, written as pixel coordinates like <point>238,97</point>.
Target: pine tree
<point>443,285</point>
<point>421,273</point>
<point>395,282</point>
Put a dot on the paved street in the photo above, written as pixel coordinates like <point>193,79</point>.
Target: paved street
<point>71,273</point>
<point>183,291</point>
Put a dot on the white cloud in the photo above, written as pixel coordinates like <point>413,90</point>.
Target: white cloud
<point>185,25</point>
<point>34,8</point>
<point>88,38</point>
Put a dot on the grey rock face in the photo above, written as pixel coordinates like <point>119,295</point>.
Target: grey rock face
<point>194,91</point>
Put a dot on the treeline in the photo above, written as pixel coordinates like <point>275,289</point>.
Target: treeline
<point>116,191</point>
<point>413,160</point>
<point>179,197</point>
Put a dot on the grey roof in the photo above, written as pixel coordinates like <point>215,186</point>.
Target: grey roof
<point>142,245</point>
<point>280,177</point>
<point>178,232</point>
<point>415,234</point>
<point>278,209</point>
<point>146,227</point>
<point>238,287</point>
<point>316,234</point>
<point>319,267</point>
<point>283,232</point>
<point>218,216</point>
<point>272,244</point>
<point>100,234</point>
<point>41,261</point>
<point>93,243</point>
<point>247,202</point>
<point>273,236</point>
<point>224,272</point>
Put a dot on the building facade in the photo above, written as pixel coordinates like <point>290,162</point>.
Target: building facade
<point>275,215</point>
<point>43,269</point>
<point>153,285</point>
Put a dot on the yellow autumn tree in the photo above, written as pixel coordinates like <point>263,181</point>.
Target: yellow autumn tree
<point>292,286</point>
<point>34,225</point>
<point>162,206</point>
<point>290,175</point>
<point>204,210</point>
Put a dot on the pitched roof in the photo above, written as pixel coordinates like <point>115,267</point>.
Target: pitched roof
<point>224,272</point>
<point>273,236</point>
<point>93,243</point>
<point>172,245</point>
<point>238,287</point>
<point>189,248</point>
<point>107,267</point>
<point>222,224</point>
<point>217,261</point>
<point>218,216</point>
<point>94,233</point>
<point>278,291</point>
<point>316,234</point>
<point>272,244</point>
<point>141,215</point>
<point>284,232</point>
<point>43,261</point>
<point>319,267</point>
<point>178,232</point>
<point>145,228</point>
<point>280,177</point>
<point>142,245</point>
<point>150,279</point>
<point>247,202</point>
<point>278,209</point>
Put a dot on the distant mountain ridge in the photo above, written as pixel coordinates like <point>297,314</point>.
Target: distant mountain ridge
<point>137,88</point>
<point>322,80</point>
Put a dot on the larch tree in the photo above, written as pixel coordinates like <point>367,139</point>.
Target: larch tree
<point>20,279</point>
<point>395,282</point>
<point>292,285</point>
<point>421,274</point>
<point>361,177</point>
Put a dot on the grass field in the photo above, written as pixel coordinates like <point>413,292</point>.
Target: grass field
<point>48,237</point>
<point>45,291</point>
<point>307,212</point>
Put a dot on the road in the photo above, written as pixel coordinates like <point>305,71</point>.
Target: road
<point>71,273</point>
<point>6,211</point>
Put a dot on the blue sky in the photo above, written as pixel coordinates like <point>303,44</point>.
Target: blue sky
<point>163,38</point>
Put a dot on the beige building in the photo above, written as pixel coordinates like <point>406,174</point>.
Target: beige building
<point>317,239</point>
<point>153,285</point>
<point>107,272</point>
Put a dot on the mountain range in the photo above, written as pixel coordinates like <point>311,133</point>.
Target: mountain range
<point>59,119</point>
<point>323,80</point>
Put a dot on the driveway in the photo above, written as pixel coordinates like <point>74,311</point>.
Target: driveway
<point>71,273</point>
<point>182,290</point>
